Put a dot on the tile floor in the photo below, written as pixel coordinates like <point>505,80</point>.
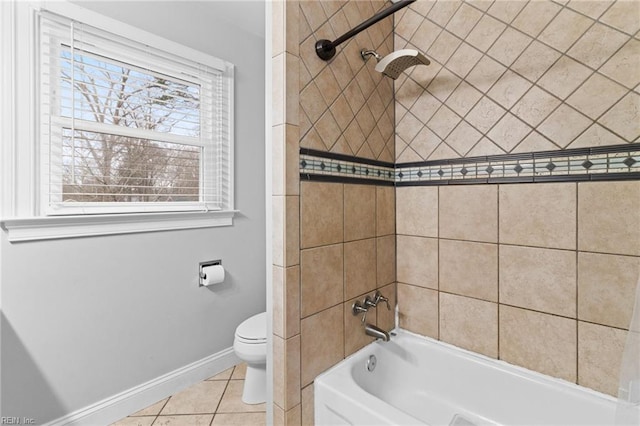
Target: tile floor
<point>212,402</point>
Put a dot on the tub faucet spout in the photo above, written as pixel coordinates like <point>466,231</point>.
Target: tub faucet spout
<point>378,333</point>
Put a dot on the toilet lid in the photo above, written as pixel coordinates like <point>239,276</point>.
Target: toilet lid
<point>253,328</point>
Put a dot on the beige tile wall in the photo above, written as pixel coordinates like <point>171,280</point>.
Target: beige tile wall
<point>338,270</point>
<point>506,77</point>
<point>517,76</point>
<point>332,243</point>
<point>547,269</point>
<point>539,275</point>
<point>286,290</point>
<point>345,106</point>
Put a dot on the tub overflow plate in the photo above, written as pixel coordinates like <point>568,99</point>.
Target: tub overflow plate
<point>371,363</point>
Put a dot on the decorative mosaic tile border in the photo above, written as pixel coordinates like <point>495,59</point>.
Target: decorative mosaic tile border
<point>329,167</point>
<point>617,162</point>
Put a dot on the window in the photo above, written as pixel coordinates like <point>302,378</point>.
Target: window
<point>106,133</point>
<point>126,127</point>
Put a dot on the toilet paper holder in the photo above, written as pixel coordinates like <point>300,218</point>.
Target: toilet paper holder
<point>201,274</point>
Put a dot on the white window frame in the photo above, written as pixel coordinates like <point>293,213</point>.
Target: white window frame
<point>24,215</point>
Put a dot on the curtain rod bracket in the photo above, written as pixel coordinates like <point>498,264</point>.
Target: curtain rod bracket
<point>325,49</point>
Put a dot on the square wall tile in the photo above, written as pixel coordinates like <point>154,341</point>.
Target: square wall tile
<point>441,12</point>
<point>307,406</point>
<point>322,342</point>
<point>469,269</point>
<point>564,125</point>
<point>278,302</point>
<point>565,29</point>
<point>485,114</point>
<point>624,117</point>
<point>417,261</point>
<point>596,95</point>
<point>509,132</point>
<point>608,218</point>
<point>535,60</point>
<point>385,260</point>
<point>464,98</point>
<point>286,301</point>
<point>321,278</point>
<point>286,371</point>
<point>418,310</point>
<point>359,212</point>
<point>292,86</point>
<point>464,20</point>
<point>508,89</point>
<point>594,8</point>
<point>321,214</point>
<point>539,342</point>
<point>539,279</point>
<point>535,16</point>
<point>509,46</point>
<point>359,267</point>
<point>623,15</point>
<point>623,66</point>
<point>469,323</point>
<point>463,138</point>
<point>277,160</point>
<point>505,10</point>
<point>600,351</point>
<point>485,32</point>
<point>469,212</point>
<point>485,74</point>
<point>286,230</point>
<point>293,417</point>
<point>541,215</point>
<point>417,211</point>
<point>606,288</point>
<point>426,34</point>
<point>535,106</point>
<point>597,45</point>
<point>291,27</point>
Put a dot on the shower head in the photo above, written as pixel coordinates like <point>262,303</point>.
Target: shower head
<point>394,63</point>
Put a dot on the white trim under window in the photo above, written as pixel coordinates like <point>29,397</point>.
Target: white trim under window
<point>180,107</point>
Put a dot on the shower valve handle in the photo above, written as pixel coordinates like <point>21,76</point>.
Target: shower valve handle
<point>378,297</point>
<point>370,302</point>
<point>357,308</point>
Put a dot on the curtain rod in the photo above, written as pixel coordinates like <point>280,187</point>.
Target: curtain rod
<point>327,49</point>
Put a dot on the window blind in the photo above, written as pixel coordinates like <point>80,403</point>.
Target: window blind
<point>127,127</point>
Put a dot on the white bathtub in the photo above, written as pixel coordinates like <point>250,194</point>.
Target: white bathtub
<point>420,381</point>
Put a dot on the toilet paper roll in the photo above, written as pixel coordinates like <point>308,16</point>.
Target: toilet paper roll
<point>214,274</point>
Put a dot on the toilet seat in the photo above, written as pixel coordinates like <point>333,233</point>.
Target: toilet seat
<point>253,330</point>
<point>250,341</point>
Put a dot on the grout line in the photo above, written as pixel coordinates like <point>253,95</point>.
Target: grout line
<point>498,275</point>
<point>577,198</point>
<point>226,386</point>
<point>438,262</point>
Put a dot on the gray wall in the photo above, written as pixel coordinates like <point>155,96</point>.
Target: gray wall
<point>87,318</point>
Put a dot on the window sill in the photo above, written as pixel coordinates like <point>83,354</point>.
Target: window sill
<point>59,227</point>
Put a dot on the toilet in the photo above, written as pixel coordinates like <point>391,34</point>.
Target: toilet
<point>250,345</point>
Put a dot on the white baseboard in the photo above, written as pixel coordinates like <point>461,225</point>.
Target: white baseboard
<point>118,406</point>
